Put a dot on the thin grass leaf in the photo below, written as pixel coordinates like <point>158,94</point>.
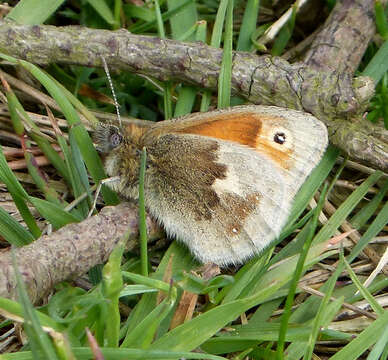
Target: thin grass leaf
<point>53,213</point>
<point>365,213</point>
<point>248,273</point>
<point>219,24</point>
<point>142,215</point>
<point>159,20</point>
<point>362,342</point>
<point>298,272</point>
<point>225,77</point>
<point>38,339</point>
<point>346,207</point>
<point>181,337</point>
<point>378,350</point>
<point>89,153</point>
<point>184,20</point>
<point>176,257</point>
<point>285,33</point>
<point>18,194</point>
<point>381,20</point>
<point>377,225</point>
<point>165,16</point>
<point>130,290</point>
<point>187,34</point>
<point>146,281</point>
<point>76,103</point>
<point>377,308</point>
<point>79,175</point>
<point>143,334</point>
<point>248,25</point>
<point>201,31</point>
<point>17,111</point>
<point>167,100</point>
<point>52,155</point>
<point>33,12</point>
<point>103,10</point>
<point>139,12</point>
<point>85,353</point>
<point>185,102</point>
<point>112,284</point>
<point>312,184</point>
<point>12,231</point>
<point>378,66</point>
<point>319,317</point>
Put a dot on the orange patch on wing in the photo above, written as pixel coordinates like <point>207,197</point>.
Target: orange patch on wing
<point>282,158</point>
<point>240,128</point>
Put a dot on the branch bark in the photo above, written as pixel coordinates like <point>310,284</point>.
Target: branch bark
<point>334,97</point>
<point>342,42</point>
<point>71,251</point>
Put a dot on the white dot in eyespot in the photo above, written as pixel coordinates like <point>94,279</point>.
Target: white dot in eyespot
<point>234,230</point>
<point>280,138</point>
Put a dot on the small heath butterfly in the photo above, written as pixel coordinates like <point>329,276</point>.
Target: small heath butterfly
<point>223,181</point>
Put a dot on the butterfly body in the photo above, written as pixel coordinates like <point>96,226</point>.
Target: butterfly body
<point>223,181</point>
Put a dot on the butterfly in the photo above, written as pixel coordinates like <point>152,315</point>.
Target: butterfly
<point>222,182</point>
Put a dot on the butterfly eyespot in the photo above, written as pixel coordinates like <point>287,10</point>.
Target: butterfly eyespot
<point>280,138</point>
<point>115,139</point>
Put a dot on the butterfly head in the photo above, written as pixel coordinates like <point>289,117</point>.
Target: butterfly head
<point>121,149</point>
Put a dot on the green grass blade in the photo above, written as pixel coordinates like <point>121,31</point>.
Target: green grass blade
<point>381,20</point>
<point>365,213</point>
<point>33,12</point>
<point>377,308</point>
<point>38,339</point>
<point>143,334</point>
<point>380,347</point>
<point>79,175</point>
<point>12,231</point>
<point>298,272</point>
<point>166,16</point>
<point>142,215</point>
<point>362,342</point>
<point>18,194</point>
<point>85,353</point>
<point>183,20</point>
<point>89,153</point>
<point>219,24</point>
<point>112,284</point>
<point>53,213</point>
<point>284,34</point>
<point>159,20</point>
<point>377,225</point>
<point>312,184</point>
<point>210,322</point>
<point>185,101</point>
<point>181,260</point>
<point>319,317</point>
<point>103,10</point>
<point>346,208</point>
<point>225,77</point>
<point>378,66</point>
<point>147,281</point>
<point>248,25</point>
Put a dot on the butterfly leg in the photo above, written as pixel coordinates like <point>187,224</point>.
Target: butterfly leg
<point>102,182</point>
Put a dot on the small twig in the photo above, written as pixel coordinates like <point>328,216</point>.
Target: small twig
<point>345,305</point>
<point>274,29</point>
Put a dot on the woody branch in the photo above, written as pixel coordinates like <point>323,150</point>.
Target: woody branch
<point>326,74</point>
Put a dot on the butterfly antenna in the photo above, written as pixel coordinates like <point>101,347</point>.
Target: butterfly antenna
<point>112,89</point>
